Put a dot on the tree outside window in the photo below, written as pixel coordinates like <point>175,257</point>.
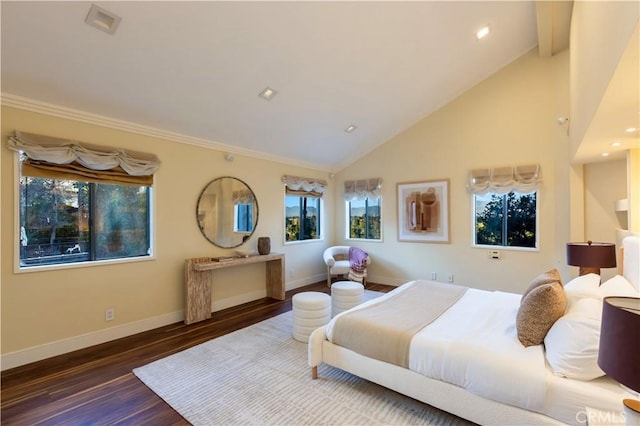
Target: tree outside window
<point>67,221</point>
<point>364,219</point>
<point>302,218</point>
<point>507,220</point>
<point>363,201</point>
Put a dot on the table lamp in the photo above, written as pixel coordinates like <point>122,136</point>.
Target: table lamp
<point>619,352</point>
<point>590,256</point>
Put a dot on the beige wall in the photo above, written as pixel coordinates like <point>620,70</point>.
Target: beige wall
<point>633,190</point>
<point>604,182</point>
<point>41,308</point>
<point>600,32</point>
<point>509,119</point>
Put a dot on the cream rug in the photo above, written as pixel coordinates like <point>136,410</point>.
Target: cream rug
<point>259,375</point>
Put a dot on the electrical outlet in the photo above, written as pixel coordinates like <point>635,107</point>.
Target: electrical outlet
<point>290,274</point>
<point>450,278</point>
<point>495,254</point>
<point>109,314</point>
<point>434,276</point>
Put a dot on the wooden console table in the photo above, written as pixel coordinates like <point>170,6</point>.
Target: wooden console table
<point>197,281</point>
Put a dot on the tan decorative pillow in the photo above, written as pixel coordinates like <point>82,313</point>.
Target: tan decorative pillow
<point>546,278</point>
<point>539,309</point>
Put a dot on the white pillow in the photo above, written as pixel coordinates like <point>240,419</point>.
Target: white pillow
<point>617,286</point>
<point>572,342</point>
<point>582,286</point>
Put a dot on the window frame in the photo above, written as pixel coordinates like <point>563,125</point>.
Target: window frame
<point>320,222</point>
<point>347,204</point>
<point>536,247</point>
<point>19,269</point>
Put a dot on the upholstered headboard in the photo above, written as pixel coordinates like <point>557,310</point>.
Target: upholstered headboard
<point>630,260</point>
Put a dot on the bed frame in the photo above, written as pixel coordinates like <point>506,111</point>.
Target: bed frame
<point>439,394</point>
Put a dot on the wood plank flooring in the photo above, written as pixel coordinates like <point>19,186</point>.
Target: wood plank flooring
<point>95,386</point>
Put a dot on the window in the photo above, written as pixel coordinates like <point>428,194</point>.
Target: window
<point>507,220</point>
<point>303,208</point>
<point>243,214</point>
<point>505,206</point>
<point>363,201</point>
<point>364,219</point>
<point>65,221</point>
<point>81,203</point>
<point>302,221</point>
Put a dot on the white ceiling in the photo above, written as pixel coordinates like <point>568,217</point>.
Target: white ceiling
<point>193,70</point>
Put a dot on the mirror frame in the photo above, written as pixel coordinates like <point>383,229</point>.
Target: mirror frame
<point>256,213</point>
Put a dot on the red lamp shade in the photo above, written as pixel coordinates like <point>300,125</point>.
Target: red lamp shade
<point>590,256</point>
<point>619,353</point>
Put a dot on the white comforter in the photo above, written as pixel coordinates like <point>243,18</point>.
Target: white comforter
<point>474,345</point>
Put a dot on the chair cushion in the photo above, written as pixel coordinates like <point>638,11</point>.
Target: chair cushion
<point>340,267</point>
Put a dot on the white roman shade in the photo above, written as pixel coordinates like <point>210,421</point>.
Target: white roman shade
<point>362,189</point>
<point>56,158</point>
<point>242,197</point>
<point>304,187</point>
<point>502,180</point>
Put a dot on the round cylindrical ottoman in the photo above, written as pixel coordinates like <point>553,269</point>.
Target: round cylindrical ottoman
<point>345,295</point>
<point>311,309</point>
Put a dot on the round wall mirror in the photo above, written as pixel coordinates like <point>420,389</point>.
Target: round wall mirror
<point>227,212</point>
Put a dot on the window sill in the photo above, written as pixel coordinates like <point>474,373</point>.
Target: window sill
<point>43,268</point>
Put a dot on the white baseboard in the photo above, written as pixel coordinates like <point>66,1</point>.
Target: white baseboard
<point>381,279</point>
<point>290,285</point>
<point>48,350</point>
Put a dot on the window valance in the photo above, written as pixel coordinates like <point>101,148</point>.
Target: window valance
<point>506,179</point>
<point>57,158</point>
<point>304,187</point>
<point>242,197</point>
<point>362,188</point>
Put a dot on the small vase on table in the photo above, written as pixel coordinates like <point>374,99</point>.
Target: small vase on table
<point>264,245</point>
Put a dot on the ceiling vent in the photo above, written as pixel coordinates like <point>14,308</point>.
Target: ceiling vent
<point>102,19</point>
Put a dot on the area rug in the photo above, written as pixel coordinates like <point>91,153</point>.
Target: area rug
<point>259,375</point>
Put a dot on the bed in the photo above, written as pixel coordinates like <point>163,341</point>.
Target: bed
<point>503,382</point>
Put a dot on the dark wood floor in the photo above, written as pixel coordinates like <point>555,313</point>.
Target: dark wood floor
<point>96,386</point>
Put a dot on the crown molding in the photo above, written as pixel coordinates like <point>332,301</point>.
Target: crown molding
<point>31,105</point>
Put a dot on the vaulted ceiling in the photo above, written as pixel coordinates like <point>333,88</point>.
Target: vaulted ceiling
<point>192,71</point>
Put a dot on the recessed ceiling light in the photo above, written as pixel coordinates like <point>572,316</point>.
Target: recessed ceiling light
<point>483,32</point>
<point>616,144</point>
<point>605,154</point>
<point>351,128</point>
<point>631,129</point>
<point>268,93</point>
<point>102,19</point>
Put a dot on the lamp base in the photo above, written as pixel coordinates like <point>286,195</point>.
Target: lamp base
<point>632,404</point>
<point>584,270</point>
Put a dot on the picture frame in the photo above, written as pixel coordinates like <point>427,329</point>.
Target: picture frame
<point>423,211</point>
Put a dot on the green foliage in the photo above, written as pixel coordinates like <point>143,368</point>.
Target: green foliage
<point>364,219</point>
<point>121,223</point>
<point>57,216</point>
<point>292,228</point>
<point>507,220</point>
<point>365,227</point>
<point>302,218</point>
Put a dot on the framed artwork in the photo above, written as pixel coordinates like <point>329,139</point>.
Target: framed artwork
<point>423,211</point>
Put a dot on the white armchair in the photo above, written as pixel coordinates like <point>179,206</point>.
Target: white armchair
<point>337,260</point>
